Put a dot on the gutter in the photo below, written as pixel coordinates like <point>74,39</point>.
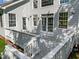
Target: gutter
<point>4,7</point>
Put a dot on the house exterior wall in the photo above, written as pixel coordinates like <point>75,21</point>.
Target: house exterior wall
<point>21,11</point>
<point>27,10</point>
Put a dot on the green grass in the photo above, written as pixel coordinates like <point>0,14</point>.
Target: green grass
<point>2,45</point>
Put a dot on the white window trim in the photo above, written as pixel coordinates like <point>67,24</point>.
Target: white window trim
<point>11,19</point>
<point>36,20</point>
<point>23,24</point>
<point>64,2</point>
<point>47,25</point>
<point>36,2</point>
<point>47,5</point>
<point>67,22</point>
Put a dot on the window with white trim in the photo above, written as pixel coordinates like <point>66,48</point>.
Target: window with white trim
<point>47,22</point>
<point>64,1</point>
<point>35,3</point>
<point>35,20</point>
<point>24,22</point>
<point>1,22</point>
<point>47,2</point>
<point>63,19</point>
<point>12,20</point>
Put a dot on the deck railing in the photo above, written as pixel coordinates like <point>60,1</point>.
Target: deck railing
<point>12,53</point>
<point>63,50</point>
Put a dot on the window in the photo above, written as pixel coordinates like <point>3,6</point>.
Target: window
<point>35,19</point>
<point>47,22</point>
<point>47,2</point>
<point>35,3</point>
<point>50,24</point>
<point>63,19</point>
<point>12,20</point>
<point>1,24</point>
<point>24,22</point>
<point>64,1</point>
<point>44,24</point>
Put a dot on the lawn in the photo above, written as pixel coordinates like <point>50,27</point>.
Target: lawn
<point>2,45</point>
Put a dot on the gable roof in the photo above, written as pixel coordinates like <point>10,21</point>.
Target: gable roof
<point>11,3</point>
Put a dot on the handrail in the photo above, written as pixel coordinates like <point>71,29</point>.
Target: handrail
<point>15,52</point>
<point>66,45</point>
<point>55,50</point>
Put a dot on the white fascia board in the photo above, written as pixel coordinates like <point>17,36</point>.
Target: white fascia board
<point>11,4</point>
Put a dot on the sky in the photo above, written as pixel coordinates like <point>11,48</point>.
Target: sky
<point>1,1</point>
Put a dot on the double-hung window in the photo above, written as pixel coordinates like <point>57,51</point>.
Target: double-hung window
<point>35,3</point>
<point>12,20</point>
<point>1,22</point>
<point>24,22</point>
<point>64,1</point>
<point>47,22</point>
<point>63,19</point>
<point>47,2</point>
<point>35,20</point>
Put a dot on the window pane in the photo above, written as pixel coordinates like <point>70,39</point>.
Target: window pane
<point>35,20</point>
<point>50,24</point>
<point>44,24</point>
<point>12,20</point>
<point>35,3</point>
<point>63,19</point>
<point>64,1</point>
<point>24,22</point>
<point>1,22</point>
<point>47,2</point>
<point>47,22</point>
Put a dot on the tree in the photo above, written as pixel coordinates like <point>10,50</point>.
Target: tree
<point>2,46</point>
<point>1,12</point>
